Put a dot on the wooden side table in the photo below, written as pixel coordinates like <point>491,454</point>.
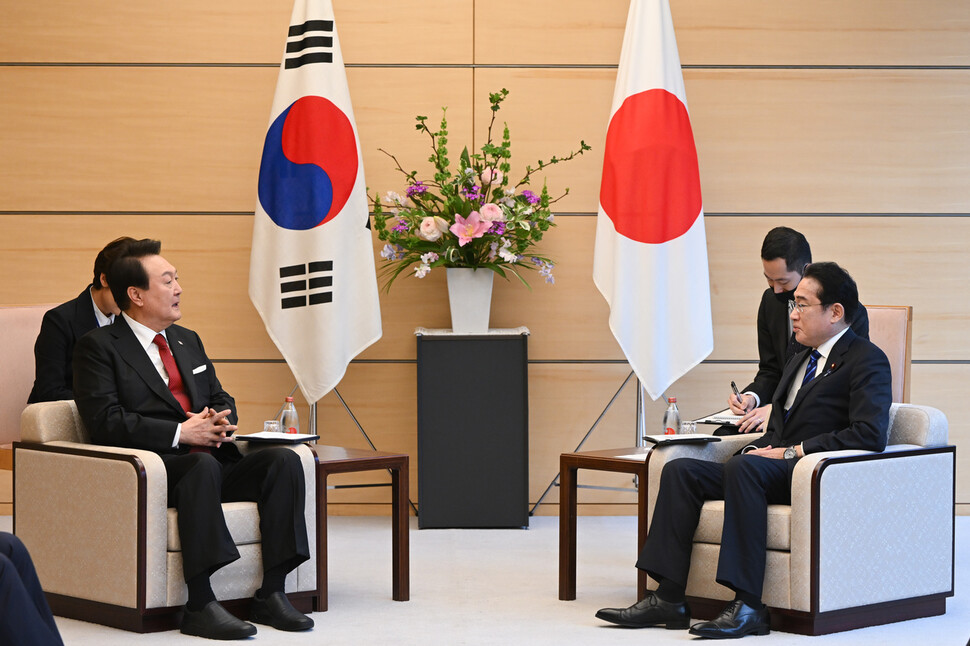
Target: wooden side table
<point>337,459</point>
<point>607,460</point>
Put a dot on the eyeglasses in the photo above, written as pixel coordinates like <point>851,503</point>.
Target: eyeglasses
<point>801,307</point>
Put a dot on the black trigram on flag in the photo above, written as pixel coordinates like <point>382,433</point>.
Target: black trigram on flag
<point>311,35</point>
<point>301,288</point>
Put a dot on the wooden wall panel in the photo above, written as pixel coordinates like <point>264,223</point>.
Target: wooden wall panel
<point>243,31</point>
<point>834,141</point>
<point>774,141</point>
<point>568,320</point>
<point>944,386</point>
<point>176,139</point>
<point>539,32</point>
<point>747,32</point>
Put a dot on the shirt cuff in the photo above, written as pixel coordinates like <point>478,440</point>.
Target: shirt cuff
<point>757,400</point>
<point>178,434</point>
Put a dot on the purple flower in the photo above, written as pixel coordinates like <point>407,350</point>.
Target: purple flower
<point>472,193</point>
<point>531,197</point>
<point>401,227</point>
<point>417,188</point>
<point>498,228</point>
<point>545,269</point>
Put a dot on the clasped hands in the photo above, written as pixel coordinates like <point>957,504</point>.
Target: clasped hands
<point>207,428</point>
<point>753,419</point>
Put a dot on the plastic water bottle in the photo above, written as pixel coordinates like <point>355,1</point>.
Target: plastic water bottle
<point>289,420</point>
<point>671,417</point>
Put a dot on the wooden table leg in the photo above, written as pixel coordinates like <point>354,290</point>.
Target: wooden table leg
<point>321,605</point>
<point>400,546</point>
<point>567,532</point>
<point>641,528</point>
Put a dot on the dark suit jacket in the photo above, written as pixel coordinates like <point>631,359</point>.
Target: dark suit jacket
<point>846,406</point>
<point>59,331</point>
<point>122,399</point>
<point>773,337</point>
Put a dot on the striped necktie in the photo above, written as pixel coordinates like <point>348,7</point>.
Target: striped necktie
<point>810,368</point>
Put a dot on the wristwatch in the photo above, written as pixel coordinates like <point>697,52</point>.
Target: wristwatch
<point>791,453</point>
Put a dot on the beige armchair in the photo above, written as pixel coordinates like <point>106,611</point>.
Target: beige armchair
<point>20,325</point>
<point>868,538</point>
<point>104,542</point>
<point>891,328</point>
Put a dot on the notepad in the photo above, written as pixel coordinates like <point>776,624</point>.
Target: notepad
<point>685,438</point>
<point>721,418</point>
<point>276,438</point>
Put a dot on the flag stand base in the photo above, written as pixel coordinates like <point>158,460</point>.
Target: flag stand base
<point>640,425</point>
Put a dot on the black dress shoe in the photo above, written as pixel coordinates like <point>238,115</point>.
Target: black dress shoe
<point>215,622</point>
<point>736,620</point>
<point>277,611</point>
<point>649,611</point>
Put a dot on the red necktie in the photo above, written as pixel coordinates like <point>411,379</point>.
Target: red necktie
<point>174,378</point>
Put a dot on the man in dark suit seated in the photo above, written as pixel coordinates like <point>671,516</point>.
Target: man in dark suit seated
<point>65,324</point>
<point>784,255</point>
<point>834,395</point>
<point>147,383</point>
<point>25,617</point>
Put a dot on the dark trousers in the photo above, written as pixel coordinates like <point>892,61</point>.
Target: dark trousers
<point>25,617</point>
<point>198,483</point>
<point>747,484</point>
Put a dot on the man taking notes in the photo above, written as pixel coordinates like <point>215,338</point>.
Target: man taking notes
<point>835,394</point>
<point>784,255</point>
<point>147,383</point>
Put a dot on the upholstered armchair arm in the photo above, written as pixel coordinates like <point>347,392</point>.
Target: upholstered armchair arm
<point>712,451</point>
<point>871,527</point>
<point>104,502</point>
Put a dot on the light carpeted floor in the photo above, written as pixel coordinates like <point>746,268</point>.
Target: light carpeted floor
<point>501,587</point>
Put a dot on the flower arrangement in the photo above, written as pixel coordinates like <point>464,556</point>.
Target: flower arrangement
<point>470,217</point>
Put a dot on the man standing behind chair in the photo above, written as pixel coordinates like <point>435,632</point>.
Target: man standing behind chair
<point>147,383</point>
<point>834,395</point>
<point>784,255</point>
<point>65,324</point>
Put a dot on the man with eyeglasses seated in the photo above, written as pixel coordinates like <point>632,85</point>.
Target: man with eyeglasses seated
<point>834,395</point>
<point>784,255</point>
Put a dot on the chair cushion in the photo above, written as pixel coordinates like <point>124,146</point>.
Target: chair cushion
<point>241,518</point>
<point>712,520</point>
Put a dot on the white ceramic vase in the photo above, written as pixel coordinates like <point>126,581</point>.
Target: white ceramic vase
<point>470,298</point>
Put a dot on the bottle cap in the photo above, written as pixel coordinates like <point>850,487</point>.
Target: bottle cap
<point>672,400</point>
<point>289,399</point>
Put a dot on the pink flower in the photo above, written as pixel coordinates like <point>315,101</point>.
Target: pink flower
<point>467,229</point>
<point>431,228</point>
<point>492,213</point>
<point>491,176</point>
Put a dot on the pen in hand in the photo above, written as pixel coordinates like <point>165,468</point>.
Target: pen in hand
<point>737,395</point>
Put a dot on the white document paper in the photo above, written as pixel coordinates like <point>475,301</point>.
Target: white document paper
<point>279,436</point>
<point>723,417</point>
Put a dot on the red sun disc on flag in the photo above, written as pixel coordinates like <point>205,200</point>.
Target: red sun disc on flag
<point>651,186</point>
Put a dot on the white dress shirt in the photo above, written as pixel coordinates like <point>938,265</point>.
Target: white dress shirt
<point>99,316</point>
